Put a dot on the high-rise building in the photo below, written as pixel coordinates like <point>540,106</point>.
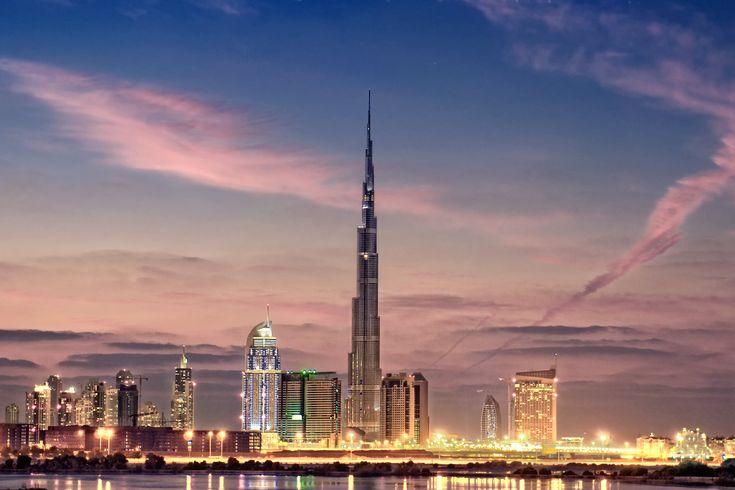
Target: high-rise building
<point>363,364</point>
<point>150,416</point>
<point>182,402</point>
<point>691,445</point>
<point>90,407</point>
<point>127,409</point>
<point>310,408</point>
<point>54,383</point>
<point>261,380</point>
<point>65,411</point>
<point>490,420</point>
<point>404,408</point>
<point>38,407</point>
<point>532,408</point>
<point>12,414</point>
<point>112,401</point>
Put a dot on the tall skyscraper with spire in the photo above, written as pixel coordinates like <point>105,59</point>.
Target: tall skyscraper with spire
<point>182,402</point>
<point>363,402</point>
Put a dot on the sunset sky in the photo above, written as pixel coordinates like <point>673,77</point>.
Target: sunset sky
<point>552,177</point>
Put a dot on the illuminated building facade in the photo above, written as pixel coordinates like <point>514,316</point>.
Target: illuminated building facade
<point>150,416</point>
<point>38,407</point>
<point>363,366</point>
<point>533,406</point>
<point>490,419</point>
<point>18,436</point>
<point>65,411</point>
<point>12,414</point>
<point>654,447</point>
<point>692,445</point>
<point>261,380</point>
<point>182,400</point>
<point>310,408</point>
<point>55,385</point>
<point>404,403</point>
<point>127,407</point>
<point>111,406</point>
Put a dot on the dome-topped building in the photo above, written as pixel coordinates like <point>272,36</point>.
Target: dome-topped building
<point>261,379</point>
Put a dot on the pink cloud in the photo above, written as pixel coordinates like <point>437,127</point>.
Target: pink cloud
<point>646,58</point>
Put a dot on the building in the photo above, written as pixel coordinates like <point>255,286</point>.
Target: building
<point>404,403</point>
<point>112,403</point>
<point>691,445</point>
<point>65,409</point>
<point>55,385</point>
<point>653,447</point>
<point>533,406</point>
<point>261,380</point>
<point>18,436</point>
<point>150,416</point>
<point>127,407</point>
<point>310,408</point>
<point>12,414</point>
<point>182,401</point>
<point>363,362</point>
<point>38,407</point>
<point>490,419</point>
<point>90,407</point>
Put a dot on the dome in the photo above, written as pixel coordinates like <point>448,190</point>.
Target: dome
<point>262,329</point>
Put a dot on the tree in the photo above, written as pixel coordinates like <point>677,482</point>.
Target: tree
<point>154,462</point>
<point>23,462</point>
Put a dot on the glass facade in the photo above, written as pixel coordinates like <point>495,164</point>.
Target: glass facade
<point>533,406</point>
<point>261,380</point>
<point>182,402</point>
<point>490,420</point>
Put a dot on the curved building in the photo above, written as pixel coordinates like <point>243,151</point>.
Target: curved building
<point>490,421</point>
<point>261,380</point>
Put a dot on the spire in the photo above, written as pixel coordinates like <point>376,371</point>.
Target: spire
<point>369,176</point>
<point>268,314</point>
<point>184,361</point>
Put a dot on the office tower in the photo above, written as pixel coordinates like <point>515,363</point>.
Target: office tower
<point>12,414</point>
<point>363,365</point>
<point>65,411</point>
<point>182,402</point>
<point>127,409</point>
<point>112,403</point>
<point>310,408</point>
<point>261,379</point>
<point>150,416</point>
<point>54,383</point>
<point>490,420</point>
<point>404,403</point>
<point>533,406</point>
<point>89,408</point>
<point>38,407</point>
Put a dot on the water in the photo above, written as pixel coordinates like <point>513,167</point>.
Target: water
<point>271,482</point>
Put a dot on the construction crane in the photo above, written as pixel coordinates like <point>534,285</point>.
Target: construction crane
<point>140,385</point>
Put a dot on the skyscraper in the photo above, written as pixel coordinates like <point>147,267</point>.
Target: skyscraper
<point>310,407</point>
<point>533,406</point>
<point>89,408</point>
<point>12,414</point>
<point>261,380</point>
<point>112,404</point>
<point>182,401</point>
<point>363,366</point>
<point>404,404</point>
<point>65,410</point>
<point>38,406</point>
<point>54,383</point>
<point>490,420</point>
<point>150,416</point>
<point>127,408</point>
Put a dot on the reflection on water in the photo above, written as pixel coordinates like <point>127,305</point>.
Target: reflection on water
<point>301,482</point>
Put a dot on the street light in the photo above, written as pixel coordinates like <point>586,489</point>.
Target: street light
<point>109,433</point>
<point>221,436</point>
<point>189,436</point>
<point>299,437</point>
<point>210,434</point>
<point>100,433</point>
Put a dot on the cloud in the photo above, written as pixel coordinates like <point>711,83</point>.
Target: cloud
<point>229,7</point>
<point>438,301</point>
<point>644,57</point>
<point>32,335</point>
<point>157,346</point>
<point>558,330</point>
<point>138,360</point>
<point>19,363</point>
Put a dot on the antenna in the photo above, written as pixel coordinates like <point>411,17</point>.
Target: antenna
<point>268,313</point>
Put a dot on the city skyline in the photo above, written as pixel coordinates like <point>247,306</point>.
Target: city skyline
<point>534,200</point>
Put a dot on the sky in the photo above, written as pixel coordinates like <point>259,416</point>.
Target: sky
<point>554,180</point>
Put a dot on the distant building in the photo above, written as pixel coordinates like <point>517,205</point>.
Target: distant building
<point>150,416</point>
<point>55,385</point>
<point>533,406</point>
<point>404,403</point>
<point>12,414</point>
<point>38,407</point>
<point>127,408</point>
<point>653,447</point>
<point>112,404</point>
<point>18,436</point>
<point>490,419</point>
<point>90,407</point>
<point>65,409</point>
<point>310,408</point>
<point>261,380</point>
<point>691,444</point>
<point>182,402</point>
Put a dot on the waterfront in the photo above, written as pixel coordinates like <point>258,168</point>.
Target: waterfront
<point>249,481</point>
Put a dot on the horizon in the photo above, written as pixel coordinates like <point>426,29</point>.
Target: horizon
<point>554,183</point>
